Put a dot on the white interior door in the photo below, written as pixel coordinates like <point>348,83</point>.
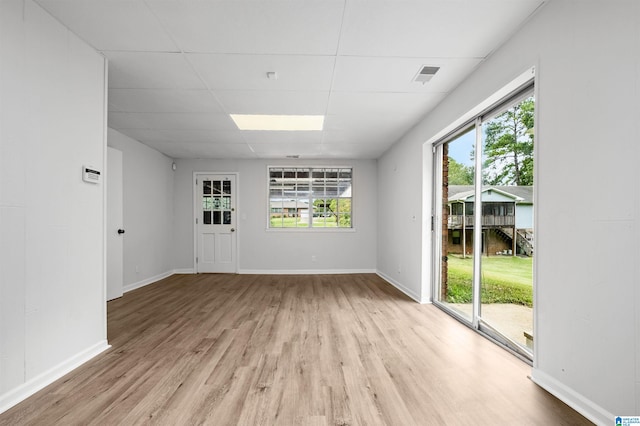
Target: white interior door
<point>114,224</point>
<point>215,208</point>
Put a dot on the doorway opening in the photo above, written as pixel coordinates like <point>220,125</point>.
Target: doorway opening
<point>484,222</point>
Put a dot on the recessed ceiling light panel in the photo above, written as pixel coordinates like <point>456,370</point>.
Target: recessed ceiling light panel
<point>278,122</point>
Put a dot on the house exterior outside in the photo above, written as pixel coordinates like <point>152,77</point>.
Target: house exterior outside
<point>289,208</point>
<point>506,211</point>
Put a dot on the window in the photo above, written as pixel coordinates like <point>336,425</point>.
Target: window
<point>457,209</point>
<point>308,197</point>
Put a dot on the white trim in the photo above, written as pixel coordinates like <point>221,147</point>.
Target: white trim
<point>105,196</point>
<point>536,168</point>
<point>39,382</point>
<point>303,230</point>
<point>129,287</point>
<point>495,98</point>
<point>573,399</point>
<point>402,288</point>
<point>305,271</point>
<point>184,271</point>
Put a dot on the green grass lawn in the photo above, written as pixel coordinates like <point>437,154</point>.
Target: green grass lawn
<point>290,222</point>
<point>505,279</point>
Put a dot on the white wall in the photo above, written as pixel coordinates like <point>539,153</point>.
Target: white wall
<point>276,251</point>
<point>400,221</point>
<point>587,297</point>
<point>52,289</point>
<point>148,211</point>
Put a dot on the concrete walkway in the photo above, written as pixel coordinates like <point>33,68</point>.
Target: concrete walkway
<point>510,320</point>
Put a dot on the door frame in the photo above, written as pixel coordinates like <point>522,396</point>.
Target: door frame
<point>195,214</point>
<point>475,118</point>
<point>114,154</point>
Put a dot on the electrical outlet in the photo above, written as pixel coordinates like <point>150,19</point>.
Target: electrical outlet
<point>314,258</point>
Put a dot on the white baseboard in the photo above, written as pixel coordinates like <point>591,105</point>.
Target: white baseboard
<point>39,382</point>
<point>402,288</point>
<point>573,399</point>
<point>147,281</point>
<point>305,271</point>
<point>184,271</point>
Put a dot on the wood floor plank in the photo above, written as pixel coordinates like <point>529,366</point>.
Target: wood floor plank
<point>290,350</point>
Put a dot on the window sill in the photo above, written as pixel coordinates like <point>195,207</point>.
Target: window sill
<point>312,230</point>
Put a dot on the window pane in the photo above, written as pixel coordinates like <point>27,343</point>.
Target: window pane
<point>206,187</point>
<point>506,271</point>
<point>206,218</point>
<point>302,197</point>
<point>275,174</point>
<point>216,218</point>
<point>226,218</point>
<point>206,203</point>
<point>344,220</point>
<point>215,187</point>
<point>226,187</point>
<point>216,203</point>
<point>454,287</point>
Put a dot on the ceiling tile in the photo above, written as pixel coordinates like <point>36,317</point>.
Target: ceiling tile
<point>178,67</point>
<point>255,138</point>
<point>162,100</point>
<point>279,27</point>
<point>383,106</point>
<point>180,121</point>
<point>186,136</point>
<point>199,150</point>
<point>354,151</point>
<point>359,133</point>
<point>282,150</point>
<point>249,72</point>
<point>423,28</point>
<point>273,102</point>
<point>113,24</point>
<point>151,70</point>
<point>376,74</point>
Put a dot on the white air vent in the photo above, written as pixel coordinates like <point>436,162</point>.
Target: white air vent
<point>425,74</point>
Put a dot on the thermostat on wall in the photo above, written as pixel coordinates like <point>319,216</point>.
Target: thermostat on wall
<point>90,174</point>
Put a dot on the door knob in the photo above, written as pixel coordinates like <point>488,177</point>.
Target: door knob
<point>120,231</point>
<point>233,229</point>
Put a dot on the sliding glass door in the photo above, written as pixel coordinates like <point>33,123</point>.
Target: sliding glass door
<point>483,223</point>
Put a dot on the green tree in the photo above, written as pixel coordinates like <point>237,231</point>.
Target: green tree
<point>508,147</point>
<point>459,174</point>
<point>339,208</point>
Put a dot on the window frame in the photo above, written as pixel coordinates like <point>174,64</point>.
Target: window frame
<point>311,168</point>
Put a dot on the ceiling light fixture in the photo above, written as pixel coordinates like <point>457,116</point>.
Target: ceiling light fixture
<point>278,122</point>
<point>425,74</point>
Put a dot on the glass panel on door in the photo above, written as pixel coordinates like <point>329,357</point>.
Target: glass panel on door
<point>506,309</point>
<point>456,224</point>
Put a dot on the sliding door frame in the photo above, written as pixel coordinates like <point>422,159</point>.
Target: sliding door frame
<point>523,91</point>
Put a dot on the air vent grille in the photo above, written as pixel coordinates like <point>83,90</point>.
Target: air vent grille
<point>426,73</point>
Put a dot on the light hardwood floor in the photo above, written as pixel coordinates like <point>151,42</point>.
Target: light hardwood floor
<point>290,350</point>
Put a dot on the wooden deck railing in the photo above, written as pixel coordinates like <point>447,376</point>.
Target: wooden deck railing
<point>455,221</point>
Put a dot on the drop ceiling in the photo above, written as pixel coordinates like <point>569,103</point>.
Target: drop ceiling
<point>177,69</point>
